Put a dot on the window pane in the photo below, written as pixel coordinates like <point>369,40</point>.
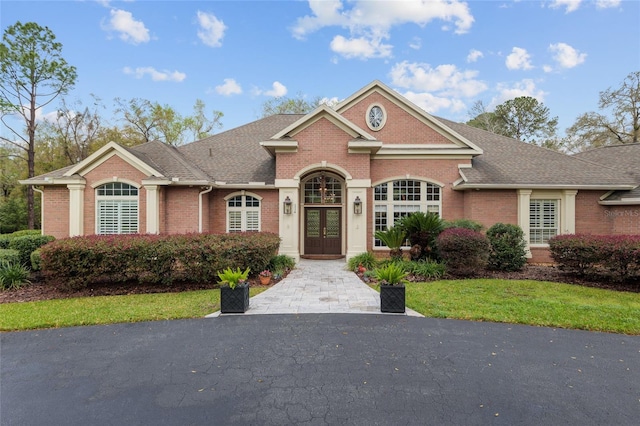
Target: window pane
<point>252,201</point>
<point>380,192</point>
<point>433,192</point>
<point>235,201</point>
<point>380,222</point>
<point>235,221</point>
<point>406,190</point>
<point>253,222</point>
<point>543,220</point>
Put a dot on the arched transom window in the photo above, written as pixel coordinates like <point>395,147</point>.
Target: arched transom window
<point>396,199</point>
<point>117,208</point>
<point>322,189</point>
<point>243,213</point>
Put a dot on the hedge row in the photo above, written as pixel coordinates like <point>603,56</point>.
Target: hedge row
<point>613,255</point>
<point>82,261</point>
<point>463,250</point>
<point>25,242</point>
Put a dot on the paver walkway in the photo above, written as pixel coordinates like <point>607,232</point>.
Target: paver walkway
<point>317,286</point>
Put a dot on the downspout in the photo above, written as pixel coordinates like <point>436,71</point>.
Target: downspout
<point>206,191</point>
<point>41,192</point>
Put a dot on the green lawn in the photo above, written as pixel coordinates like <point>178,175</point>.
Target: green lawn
<point>522,302</point>
<point>528,302</point>
<point>109,309</point>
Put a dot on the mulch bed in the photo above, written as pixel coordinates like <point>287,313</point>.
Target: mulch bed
<point>38,290</point>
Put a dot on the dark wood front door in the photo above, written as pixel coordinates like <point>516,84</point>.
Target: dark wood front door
<point>322,230</point>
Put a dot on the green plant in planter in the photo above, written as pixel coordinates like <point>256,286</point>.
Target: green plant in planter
<point>393,238</point>
<point>392,289</point>
<point>391,274</point>
<point>233,277</point>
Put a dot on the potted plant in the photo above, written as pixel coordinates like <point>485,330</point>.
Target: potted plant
<point>392,289</point>
<point>234,292</point>
<point>265,277</point>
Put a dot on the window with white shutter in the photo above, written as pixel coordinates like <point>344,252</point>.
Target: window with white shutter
<point>117,209</point>
<point>243,213</point>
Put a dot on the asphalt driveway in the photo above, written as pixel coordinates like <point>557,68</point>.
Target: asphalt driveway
<point>340,369</point>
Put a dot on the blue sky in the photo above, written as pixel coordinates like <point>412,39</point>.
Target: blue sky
<point>441,54</point>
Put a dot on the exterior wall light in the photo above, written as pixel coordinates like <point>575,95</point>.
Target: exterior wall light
<point>287,206</point>
<point>357,205</point>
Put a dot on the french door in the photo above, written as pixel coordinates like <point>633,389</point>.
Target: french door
<point>323,230</point>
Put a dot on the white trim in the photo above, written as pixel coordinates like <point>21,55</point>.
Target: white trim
<point>106,152</point>
<point>323,166</point>
<point>411,108</point>
<point>76,209</point>
<point>101,182</point>
<point>407,177</point>
<point>153,209</point>
<point>539,186</point>
<point>119,199</point>
<point>384,116</point>
<point>323,111</point>
<point>243,209</point>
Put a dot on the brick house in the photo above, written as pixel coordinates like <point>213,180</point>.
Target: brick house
<point>325,181</point>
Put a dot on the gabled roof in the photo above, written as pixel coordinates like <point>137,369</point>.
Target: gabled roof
<point>434,123</point>
<point>235,156</point>
<point>509,163</point>
<point>624,157</point>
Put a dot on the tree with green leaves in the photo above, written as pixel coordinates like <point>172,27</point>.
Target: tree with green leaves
<point>32,74</point>
<point>286,105</point>
<point>145,121</point>
<point>522,118</point>
<point>617,123</point>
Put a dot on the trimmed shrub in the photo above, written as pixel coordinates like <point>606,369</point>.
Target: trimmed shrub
<point>367,260</point>
<point>463,223</point>
<point>26,232</point>
<point>616,256</point>
<point>508,247</point>
<point>81,261</point>
<point>26,244</point>
<point>620,255</point>
<point>13,275</point>
<point>10,255</point>
<point>575,253</point>
<point>464,251</point>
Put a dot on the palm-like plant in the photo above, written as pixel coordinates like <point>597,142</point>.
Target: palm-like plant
<point>422,230</point>
<point>393,238</point>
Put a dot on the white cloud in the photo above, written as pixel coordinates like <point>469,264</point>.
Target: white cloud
<point>369,22</point>
<point>569,5</point>
<point>130,30</point>
<point>606,4</point>
<point>566,56</point>
<point>156,75</point>
<point>415,43</point>
<point>211,29</point>
<point>278,90</point>
<point>433,104</point>
<point>474,55</point>
<point>519,59</point>
<point>361,48</point>
<point>229,87</point>
<point>526,87</point>
<point>444,86</point>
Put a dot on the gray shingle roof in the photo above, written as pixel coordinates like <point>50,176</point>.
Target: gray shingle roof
<point>619,157</point>
<point>235,156</point>
<point>167,160</point>
<point>506,161</point>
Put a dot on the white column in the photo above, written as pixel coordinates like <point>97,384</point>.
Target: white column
<point>524,200</point>
<point>76,209</point>
<point>289,224</point>
<point>568,213</point>
<point>153,209</point>
<point>357,223</point>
